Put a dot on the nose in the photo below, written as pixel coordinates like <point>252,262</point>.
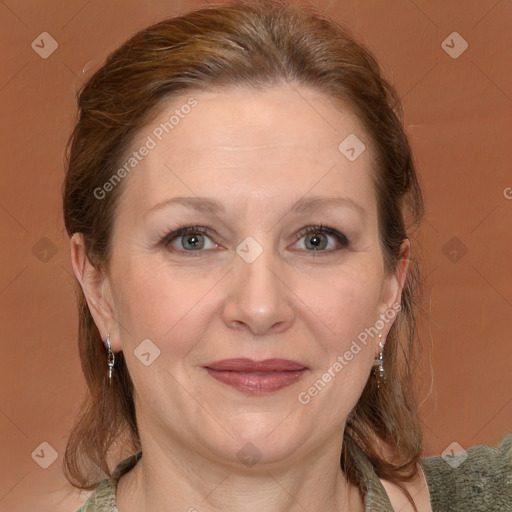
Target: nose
<point>258,298</point>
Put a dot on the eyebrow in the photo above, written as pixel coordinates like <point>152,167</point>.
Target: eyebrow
<point>310,204</point>
<point>200,204</point>
<point>303,205</point>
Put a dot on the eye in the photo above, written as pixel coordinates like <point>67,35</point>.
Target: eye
<point>316,238</point>
<point>189,239</point>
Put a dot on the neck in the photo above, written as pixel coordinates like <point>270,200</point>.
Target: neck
<point>184,480</point>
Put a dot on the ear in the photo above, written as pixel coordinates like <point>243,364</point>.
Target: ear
<point>97,290</point>
<point>392,287</point>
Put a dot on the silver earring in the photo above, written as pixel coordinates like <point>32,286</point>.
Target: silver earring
<point>378,365</point>
<point>111,359</point>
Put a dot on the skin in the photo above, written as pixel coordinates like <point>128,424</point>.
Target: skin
<point>256,153</point>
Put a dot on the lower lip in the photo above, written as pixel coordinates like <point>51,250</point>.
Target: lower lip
<point>257,382</point>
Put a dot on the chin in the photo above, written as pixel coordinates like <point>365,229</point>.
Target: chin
<point>265,438</point>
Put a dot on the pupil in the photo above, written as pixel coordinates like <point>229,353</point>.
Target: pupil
<point>316,242</point>
<point>192,241</point>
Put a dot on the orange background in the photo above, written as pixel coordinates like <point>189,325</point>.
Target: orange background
<point>458,116</point>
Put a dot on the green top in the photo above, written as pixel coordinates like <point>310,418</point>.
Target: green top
<point>482,482</point>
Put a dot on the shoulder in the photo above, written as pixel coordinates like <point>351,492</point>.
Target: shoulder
<point>477,479</point>
<point>102,499</point>
<point>418,490</point>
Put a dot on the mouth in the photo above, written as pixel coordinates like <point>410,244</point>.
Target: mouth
<point>256,377</point>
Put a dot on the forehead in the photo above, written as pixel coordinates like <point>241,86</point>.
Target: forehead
<point>243,141</point>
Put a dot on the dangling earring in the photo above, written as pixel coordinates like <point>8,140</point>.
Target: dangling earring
<point>111,359</point>
<point>378,365</point>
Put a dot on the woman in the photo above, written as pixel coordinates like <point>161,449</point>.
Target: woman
<point>240,198</point>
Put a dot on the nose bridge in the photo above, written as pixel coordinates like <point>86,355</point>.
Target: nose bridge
<point>255,268</point>
<point>258,298</point>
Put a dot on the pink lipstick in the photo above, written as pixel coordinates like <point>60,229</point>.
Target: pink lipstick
<point>256,377</point>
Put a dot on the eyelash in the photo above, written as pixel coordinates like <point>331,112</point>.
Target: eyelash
<point>188,230</point>
<point>320,228</point>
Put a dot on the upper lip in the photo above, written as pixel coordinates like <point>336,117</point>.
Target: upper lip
<point>243,364</point>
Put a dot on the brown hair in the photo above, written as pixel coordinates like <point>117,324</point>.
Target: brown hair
<point>250,45</point>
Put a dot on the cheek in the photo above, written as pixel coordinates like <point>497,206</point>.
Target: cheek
<point>346,303</point>
<point>349,306</point>
<point>161,305</point>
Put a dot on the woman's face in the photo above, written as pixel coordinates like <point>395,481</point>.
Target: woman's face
<point>248,172</point>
